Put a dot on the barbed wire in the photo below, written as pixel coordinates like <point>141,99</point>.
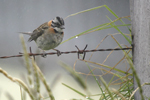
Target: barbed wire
<point>83,51</point>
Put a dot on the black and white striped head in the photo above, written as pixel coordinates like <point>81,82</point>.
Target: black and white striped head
<point>58,24</point>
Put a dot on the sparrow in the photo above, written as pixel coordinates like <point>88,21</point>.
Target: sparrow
<point>48,35</point>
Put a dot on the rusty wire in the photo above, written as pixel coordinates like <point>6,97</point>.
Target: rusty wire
<point>83,51</point>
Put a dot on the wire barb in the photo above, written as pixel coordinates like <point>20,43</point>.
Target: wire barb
<point>32,54</point>
<point>78,52</point>
<point>81,52</point>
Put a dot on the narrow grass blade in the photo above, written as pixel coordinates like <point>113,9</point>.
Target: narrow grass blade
<point>118,70</point>
<point>82,94</point>
<point>43,80</point>
<point>112,24</point>
<point>103,95</point>
<point>20,82</point>
<point>26,58</point>
<point>114,14</point>
<point>85,11</point>
<point>107,88</point>
<point>74,74</point>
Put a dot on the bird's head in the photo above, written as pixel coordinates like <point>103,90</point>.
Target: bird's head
<point>58,24</point>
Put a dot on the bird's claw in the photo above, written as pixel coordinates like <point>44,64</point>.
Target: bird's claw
<point>58,53</point>
<point>44,55</point>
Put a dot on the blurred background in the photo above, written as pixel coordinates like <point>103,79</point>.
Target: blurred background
<point>26,15</point>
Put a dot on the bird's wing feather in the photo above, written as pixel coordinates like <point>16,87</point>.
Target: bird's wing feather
<point>38,32</point>
<point>27,33</point>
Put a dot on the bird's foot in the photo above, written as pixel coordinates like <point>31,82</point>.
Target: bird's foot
<point>44,55</point>
<point>58,52</point>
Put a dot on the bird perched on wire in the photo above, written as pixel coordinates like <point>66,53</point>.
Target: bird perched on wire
<point>48,35</point>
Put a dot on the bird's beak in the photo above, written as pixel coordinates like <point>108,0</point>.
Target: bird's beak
<point>62,27</point>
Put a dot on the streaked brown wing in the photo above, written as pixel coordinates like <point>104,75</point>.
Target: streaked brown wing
<point>38,32</point>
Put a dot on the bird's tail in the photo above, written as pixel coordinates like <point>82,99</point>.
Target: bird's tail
<point>28,33</point>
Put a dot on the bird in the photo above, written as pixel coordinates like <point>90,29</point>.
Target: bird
<point>48,35</point>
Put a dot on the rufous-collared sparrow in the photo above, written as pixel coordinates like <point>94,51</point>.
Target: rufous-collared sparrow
<point>48,35</point>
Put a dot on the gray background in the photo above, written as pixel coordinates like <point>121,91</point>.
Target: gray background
<point>26,15</point>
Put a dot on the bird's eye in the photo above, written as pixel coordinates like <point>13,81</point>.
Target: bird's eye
<point>62,32</point>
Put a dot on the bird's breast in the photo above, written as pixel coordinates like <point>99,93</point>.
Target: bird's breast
<point>49,41</point>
